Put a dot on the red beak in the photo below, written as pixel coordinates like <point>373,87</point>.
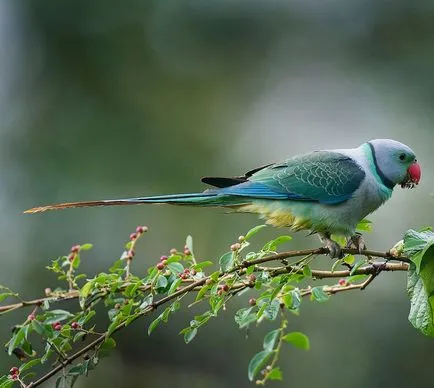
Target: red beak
<point>414,173</point>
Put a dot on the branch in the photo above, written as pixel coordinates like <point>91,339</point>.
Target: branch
<point>188,285</point>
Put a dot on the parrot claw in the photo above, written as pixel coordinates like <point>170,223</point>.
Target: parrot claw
<point>356,242</point>
<point>335,250</point>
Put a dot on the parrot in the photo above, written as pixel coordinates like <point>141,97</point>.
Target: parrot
<point>325,192</point>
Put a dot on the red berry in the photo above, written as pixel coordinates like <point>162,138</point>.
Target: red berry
<point>133,236</point>
<point>164,257</point>
<point>31,317</point>
<point>75,248</point>
<point>75,325</point>
<point>225,287</point>
<point>187,251</point>
<point>71,257</point>
<point>57,326</point>
<point>141,229</point>
<point>160,266</point>
<point>14,371</point>
<point>342,282</point>
<point>184,276</point>
<point>131,253</point>
<point>252,302</point>
<point>14,377</point>
<point>187,270</point>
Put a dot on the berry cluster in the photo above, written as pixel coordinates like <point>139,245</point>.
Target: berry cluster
<point>163,262</point>
<point>222,289</point>
<point>188,273</point>
<point>133,238</point>
<point>74,252</point>
<point>14,373</point>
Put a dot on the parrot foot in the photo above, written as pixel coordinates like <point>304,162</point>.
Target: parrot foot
<point>356,242</point>
<point>335,250</point>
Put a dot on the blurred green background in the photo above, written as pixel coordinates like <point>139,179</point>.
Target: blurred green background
<point>105,99</point>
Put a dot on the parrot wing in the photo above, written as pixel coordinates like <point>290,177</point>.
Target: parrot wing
<point>324,176</point>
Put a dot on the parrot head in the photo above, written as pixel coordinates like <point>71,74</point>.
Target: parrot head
<point>397,162</point>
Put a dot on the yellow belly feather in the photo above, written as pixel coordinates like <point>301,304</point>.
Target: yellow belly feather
<point>277,218</point>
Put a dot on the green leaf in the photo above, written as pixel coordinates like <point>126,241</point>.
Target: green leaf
<point>270,339</point>
<point>244,317</point>
<point>275,374</point>
<point>319,295</point>
<point>272,245</point>
<point>30,364</point>
<point>176,268</point>
<point>85,290</point>
<point>257,362</point>
<point>189,243</point>
<point>5,295</point>
<point>16,340</point>
<point>272,309</point>
<point>189,334</point>
<point>53,316</point>
<point>297,339</point>
<point>419,246</point>
<point>174,286</point>
<point>86,247</point>
<point>198,267</point>
<point>253,231</point>
<point>161,282</point>
<point>226,261</point>
<point>307,271</point>
<point>356,278</point>
<point>202,292</point>
<point>154,324</point>
<point>147,300</point>
<point>349,259</point>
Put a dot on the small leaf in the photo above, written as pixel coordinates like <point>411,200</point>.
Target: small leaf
<point>253,231</point>
<point>275,374</point>
<point>349,259</point>
<point>174,286</point>
<point>272,245</point>
<point>226,261</point>
<point>257,363</point>
<point>270,339</point>
<point>161,282</point>
<point>307,271</point>
<point>244,317</point>
<point>86,247</point>
<point>147,301</point>
<point>198,267</point>
<point>272,309</point>
<point>189,243</point>
<point>297,339</point>
<point>176,268</point>
<point>319,295</point>
<point>16,340</point>
<point>190,334</point>
<point>154,324</point>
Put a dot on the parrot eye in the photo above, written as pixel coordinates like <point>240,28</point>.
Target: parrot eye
<point>402,157</point>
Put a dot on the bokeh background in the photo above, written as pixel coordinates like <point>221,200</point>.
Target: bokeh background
<point>106,99</point>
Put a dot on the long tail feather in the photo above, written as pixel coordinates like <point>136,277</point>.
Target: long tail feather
<point>194,199</point>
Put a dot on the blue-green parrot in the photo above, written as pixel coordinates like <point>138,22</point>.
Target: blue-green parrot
<point>325,192</point>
